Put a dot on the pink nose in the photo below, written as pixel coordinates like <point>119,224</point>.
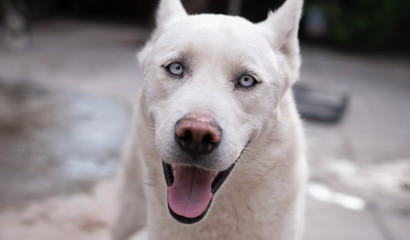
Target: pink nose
<point>197,134</point>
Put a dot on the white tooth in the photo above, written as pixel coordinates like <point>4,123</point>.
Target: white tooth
<point>175,172</point>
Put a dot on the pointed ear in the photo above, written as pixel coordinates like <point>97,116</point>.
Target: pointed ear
<point>284,25</point>
<point>169,11</point>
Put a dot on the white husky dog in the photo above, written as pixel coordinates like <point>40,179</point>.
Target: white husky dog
<point>217,148</point>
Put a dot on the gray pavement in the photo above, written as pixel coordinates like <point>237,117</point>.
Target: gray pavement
<point>360,167</point>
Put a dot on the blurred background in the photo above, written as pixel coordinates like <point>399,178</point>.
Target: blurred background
<point>69,77</point>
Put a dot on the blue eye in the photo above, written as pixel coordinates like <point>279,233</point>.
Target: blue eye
<point>175,68</point>
<point>247,81</point>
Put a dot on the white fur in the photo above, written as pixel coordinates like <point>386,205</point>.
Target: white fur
<point>263,196</point>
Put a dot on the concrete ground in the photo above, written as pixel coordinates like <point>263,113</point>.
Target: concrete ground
<point>65,103</point>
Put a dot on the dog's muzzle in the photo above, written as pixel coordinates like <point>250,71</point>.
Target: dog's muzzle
<point>191,188</point>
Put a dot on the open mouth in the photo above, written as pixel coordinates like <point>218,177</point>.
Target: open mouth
<point>191,189</point>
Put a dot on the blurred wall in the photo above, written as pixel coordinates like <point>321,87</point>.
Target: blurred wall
<point>364,25</point>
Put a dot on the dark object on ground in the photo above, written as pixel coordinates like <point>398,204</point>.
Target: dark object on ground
<point>320,105</point>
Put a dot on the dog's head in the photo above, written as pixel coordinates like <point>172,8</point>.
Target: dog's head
<point>210,84</point>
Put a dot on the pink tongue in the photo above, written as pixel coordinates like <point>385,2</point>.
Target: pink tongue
<point>190,193</point>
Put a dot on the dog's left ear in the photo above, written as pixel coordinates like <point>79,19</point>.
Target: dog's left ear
<point>283,26</point>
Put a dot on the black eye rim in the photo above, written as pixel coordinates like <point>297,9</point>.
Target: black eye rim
<point>255,82</point>
<point>167,68</point>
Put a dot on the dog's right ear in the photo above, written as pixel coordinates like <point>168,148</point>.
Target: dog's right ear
<point>168,12</point>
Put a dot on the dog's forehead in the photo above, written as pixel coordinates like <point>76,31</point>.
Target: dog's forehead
<point>208,32</point>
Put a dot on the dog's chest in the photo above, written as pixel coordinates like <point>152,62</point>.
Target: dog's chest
<point>225,227</point>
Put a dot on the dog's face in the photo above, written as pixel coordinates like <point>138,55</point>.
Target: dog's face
<point>210,84</point>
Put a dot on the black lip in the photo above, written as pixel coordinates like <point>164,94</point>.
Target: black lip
<point>169,175</point>
<point>216,184</point>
